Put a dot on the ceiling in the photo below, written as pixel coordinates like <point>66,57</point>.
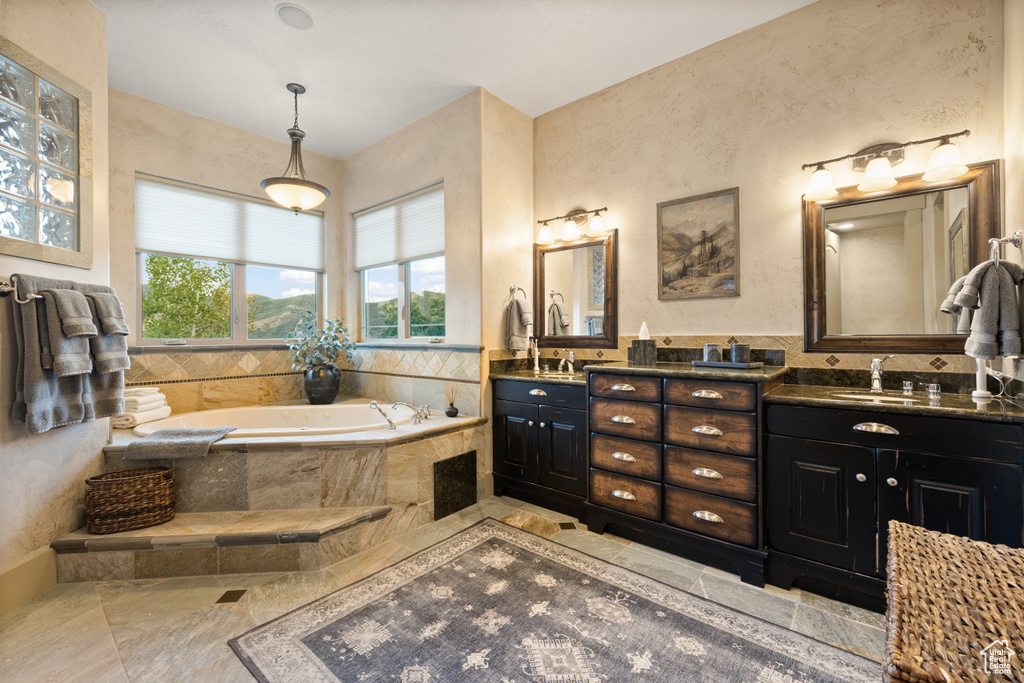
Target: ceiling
<point>372,67</point>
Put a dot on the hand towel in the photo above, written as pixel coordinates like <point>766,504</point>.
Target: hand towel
<point>45,357</point>
<point>1009,313</point>
<point>175,443</point>
<point>73,311</point>
<point>110,313</point>
<point>559,319</point>
<point>129,420</point>
<point>518,318</point>
<point>970,289</point>
<point>136,403</point>
<point>141,391</point>
<point>70,354</point>
<point>109,351</point>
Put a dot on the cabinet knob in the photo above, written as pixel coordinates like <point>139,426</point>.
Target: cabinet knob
<point>861,477</point>
<point>543,425</point>
<point>624,419</point>
<point>875,428</point>
<point>707,431</point>
<point>707,473</point>
<point>538,392</point>
<point>624,495</point>
<point>708,516</point>
<point>530,423</point>
<point>706,393</point>
<point>623,387</point>
<point>892,482</point>
<point>624,457</point>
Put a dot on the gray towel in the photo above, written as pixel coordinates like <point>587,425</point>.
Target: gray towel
<point>109,351</point>
<point>559,319</point>
<point>949,305</point>
<point>109,312</point>
<point>1009,313</point>
<point>73,312</point>
<point>518,318</point>
<point>175,444</point>
<point>70,354</point>
<point>970,289</point>
<point>995,325</point>
<point>45,357</point>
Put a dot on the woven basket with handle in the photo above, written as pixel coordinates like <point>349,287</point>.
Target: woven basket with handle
<point>132,499</point>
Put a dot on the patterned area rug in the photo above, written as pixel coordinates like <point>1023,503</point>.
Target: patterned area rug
<point>495,603</point>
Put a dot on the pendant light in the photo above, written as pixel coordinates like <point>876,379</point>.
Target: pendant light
<point>292,189</point>
<point>570,231</point>
<point>596,227</point>
<point>877,176</point>
<point>820,186</point>
<point>544,237</point>
<point>945,162</point>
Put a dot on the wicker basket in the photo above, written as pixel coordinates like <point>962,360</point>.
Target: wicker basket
<point>132,499</point>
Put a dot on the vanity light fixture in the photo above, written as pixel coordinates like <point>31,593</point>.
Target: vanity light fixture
<point>574,220</point>
<point>544,237</point>
<point>570,231</point>
<point>292,189</point>
<point>596,227</point>
<point>877,162</point>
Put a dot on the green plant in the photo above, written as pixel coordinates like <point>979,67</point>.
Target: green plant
<point>311,346</point>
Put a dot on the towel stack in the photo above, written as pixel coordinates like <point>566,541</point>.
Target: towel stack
<point>141,405</point>
<point>986,302</point>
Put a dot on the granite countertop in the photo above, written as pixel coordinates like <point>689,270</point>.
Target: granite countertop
<point>948,405</point>
<point>577,380</point>
<point>690,371</point>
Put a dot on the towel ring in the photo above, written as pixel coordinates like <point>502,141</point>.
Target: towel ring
<point>513,289</point>
<point>558,294</point>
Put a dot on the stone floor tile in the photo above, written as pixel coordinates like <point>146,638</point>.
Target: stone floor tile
<point>530,522</point>
<point>589,543</point>
<point>841,609</point>
<point>745,598</point>
<point>854,636</point>
<point>677,572</point>
<point>246,581</point>
<point>545,513</point>
<point>370,561</point>
<point>283,594</point>
<point>788,594</point>
<point>153,604</point>
<point>432,533</point>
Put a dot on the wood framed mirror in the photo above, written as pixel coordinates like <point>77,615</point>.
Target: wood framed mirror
<point>878,264</point>
<point>576,294</point>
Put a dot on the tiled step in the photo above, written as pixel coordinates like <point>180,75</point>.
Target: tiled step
<point>200,543</point>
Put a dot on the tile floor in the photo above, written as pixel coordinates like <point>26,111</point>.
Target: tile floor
<point>176,630</point>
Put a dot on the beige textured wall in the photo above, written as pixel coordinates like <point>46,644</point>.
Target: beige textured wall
<point>820,82</point>
<point>41,477</point>
<point>153,138</point>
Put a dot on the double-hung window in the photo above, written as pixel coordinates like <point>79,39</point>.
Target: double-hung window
<point>399,256</point>
<point>218,267</point>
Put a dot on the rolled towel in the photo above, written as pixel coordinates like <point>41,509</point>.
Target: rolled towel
<point>109,351</point>
<point>141,391</point>
<point>134,404</point>
<point>70,354</point>
<point>175,443</point>
<point>73,311</point>
<point>129,420</point>
<point>109,312</point>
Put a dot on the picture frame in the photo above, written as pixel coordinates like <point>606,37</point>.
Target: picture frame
<point>699,246</point>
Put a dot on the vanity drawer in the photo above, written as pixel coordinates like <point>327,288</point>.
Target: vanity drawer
<point>626,387</point>
<point>626,418</point>
<point>626,456</point>
<point>626,494</point>
<point>541,393</point>
<point>711,430</point>
<point>729,520</point>
<point>732,476</point>
<point>710,394</point>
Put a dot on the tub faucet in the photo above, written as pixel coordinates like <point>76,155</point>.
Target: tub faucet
<point>419,414</point>
<point>570,360</point>
<point>876,374</point>
<point>391,425</point>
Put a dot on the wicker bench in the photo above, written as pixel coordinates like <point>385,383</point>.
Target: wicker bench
<point>951,600</point>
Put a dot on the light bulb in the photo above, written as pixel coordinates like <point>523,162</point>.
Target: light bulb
<point>544,237</point>
<point>596,227</point>
<point>570,231</point>
<point>945,163</point>
<point>820,186</point>
<point>877,176</point>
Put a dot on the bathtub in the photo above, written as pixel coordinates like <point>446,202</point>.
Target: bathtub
<point>289,420</point>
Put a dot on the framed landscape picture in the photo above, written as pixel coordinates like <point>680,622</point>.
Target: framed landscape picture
<point>699,246</point>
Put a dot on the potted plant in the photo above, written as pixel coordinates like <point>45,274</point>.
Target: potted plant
<point>316,351</point>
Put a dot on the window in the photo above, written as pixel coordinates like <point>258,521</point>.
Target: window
<point>217,267</point>
<point>400,260</point>
<point>39,174</point>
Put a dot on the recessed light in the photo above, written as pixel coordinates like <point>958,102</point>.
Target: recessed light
<point>294,16</point>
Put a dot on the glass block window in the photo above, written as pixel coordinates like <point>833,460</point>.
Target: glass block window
<point>39,173</point>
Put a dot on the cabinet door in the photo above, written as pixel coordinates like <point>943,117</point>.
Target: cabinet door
<point>974,498</point>
<point>515,440</point>
<point>562,454</point>
<point>817,506</point>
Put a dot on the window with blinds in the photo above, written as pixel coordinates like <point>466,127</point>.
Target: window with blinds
<point>399,254</point>
<point>218,267</point>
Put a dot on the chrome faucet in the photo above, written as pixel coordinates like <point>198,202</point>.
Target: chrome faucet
<point>570,360</point>
<point>419,414</point>
<point>876,374</point>
<point>391,425</point>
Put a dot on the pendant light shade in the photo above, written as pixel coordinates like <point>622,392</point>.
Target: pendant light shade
<point>820,186</point>
<point>544,237</point>
<point>292,189</point>
<point>945,163</point>
<point>877,176</point>
<point>570,231</point>
<point>596,227</point>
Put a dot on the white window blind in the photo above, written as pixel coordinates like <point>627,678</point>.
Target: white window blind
<point>408,228</point>
<point>179,220</point>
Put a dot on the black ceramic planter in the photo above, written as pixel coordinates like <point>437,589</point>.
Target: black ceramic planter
<point>322,384</point>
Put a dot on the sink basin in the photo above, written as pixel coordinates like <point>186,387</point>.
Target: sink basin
<point>868,397</point>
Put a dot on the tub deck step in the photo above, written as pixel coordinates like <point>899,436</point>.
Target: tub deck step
<point>218,543</point>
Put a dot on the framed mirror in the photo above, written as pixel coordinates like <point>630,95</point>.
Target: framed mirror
<point>878,264</point>
<point>575,296</point>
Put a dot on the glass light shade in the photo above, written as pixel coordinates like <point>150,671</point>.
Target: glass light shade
<point>295,193</point>
<point>570,231</point>
<point>877,176</point>
<point>820,186</point>
<point>945,163</point>
<point>596,227</point>
<point>544,237</point>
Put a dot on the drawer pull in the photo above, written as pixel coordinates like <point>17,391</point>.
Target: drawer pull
<point>875,428</point>
<point>707,431</point>
<point>708,516</point>
<point>538,392</point>
<point>707,473</point>
<point>706,393</point>
<point>624,457</point>
<point>624,495</point>
<point>623,387</point>
<point>624,419</point>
